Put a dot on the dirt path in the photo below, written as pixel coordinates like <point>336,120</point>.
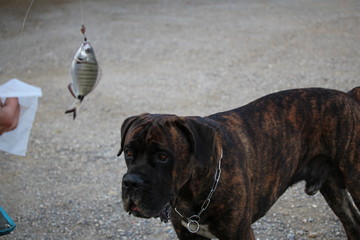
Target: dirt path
<point>161,56</point>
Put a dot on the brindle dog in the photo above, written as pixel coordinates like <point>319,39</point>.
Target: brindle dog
<point>217,175</point>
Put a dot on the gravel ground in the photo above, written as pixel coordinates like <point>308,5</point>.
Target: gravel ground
<point>160,56</point>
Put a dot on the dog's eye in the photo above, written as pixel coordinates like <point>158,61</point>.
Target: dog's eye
<point>128,154</point>
<point>162,157</point>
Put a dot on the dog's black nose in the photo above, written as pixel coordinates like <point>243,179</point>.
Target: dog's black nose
<point>133,181</point>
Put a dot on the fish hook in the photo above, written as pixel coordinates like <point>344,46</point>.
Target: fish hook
<point>82,30</point>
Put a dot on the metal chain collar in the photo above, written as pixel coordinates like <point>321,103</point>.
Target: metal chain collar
<point>193,222</point>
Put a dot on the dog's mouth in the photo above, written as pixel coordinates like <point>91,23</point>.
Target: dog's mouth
<point>135,210</point>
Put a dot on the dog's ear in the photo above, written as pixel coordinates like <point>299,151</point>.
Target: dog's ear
<point>125,128</point>
<point>201,137</point>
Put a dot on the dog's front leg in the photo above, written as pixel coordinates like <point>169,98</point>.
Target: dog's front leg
<point>247,234</point>
<point>240,234</point>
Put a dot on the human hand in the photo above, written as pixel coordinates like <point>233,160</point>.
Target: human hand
<point>9,114</point>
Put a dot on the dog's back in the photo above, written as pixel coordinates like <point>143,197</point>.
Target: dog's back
<point>355,93</point>
<point>325,121</point>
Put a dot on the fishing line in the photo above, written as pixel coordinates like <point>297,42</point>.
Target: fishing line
<point>26,15</point>
<point>21,35</point>
<point>81,12</point>
<point>83,29</point>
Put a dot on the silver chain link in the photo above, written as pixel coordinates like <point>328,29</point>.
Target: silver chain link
<point>193,222</point>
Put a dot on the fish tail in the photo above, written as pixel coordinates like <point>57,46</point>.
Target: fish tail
<point>74,106</point>
<point>71,110</point>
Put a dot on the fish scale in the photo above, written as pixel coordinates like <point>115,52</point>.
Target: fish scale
<point>85,71</point>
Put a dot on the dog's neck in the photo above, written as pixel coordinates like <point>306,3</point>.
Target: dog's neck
<point>189,198</point>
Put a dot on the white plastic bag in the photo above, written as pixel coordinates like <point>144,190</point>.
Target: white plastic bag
<point>16,141</point>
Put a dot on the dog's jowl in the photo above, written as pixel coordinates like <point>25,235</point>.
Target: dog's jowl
<point>214,176</point>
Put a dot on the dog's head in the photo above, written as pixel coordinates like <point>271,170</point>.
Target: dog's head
<point>161,152</point>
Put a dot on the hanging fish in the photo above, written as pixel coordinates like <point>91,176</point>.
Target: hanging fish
<point>85,73</point>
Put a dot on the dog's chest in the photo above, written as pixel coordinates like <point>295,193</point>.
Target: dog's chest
<point>203,230</point>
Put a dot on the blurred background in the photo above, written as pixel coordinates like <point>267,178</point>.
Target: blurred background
<point>186,57</point>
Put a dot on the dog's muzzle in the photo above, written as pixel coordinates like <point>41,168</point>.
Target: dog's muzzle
<point>132,190</point>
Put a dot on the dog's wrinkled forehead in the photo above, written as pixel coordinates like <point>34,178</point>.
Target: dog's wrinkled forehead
<point>150,133</point>
<point>146,129</point>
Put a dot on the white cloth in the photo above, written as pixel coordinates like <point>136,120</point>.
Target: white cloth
<point>16,141</point>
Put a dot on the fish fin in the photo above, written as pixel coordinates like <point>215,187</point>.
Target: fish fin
<point>71,90</point>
